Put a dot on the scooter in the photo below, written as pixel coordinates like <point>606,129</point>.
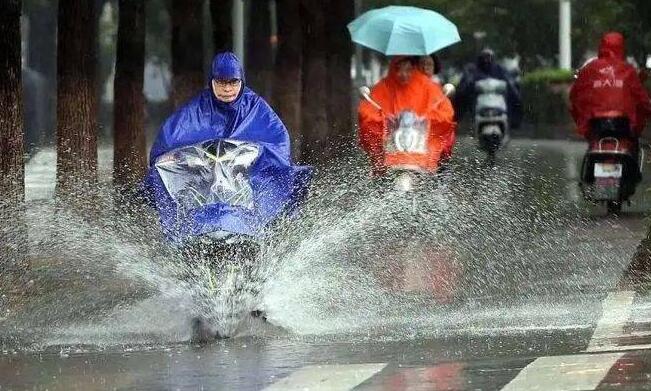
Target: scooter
<point>612,165</point>
<point>406,146</point>
<point>215,199</point>
<point>491,115</point>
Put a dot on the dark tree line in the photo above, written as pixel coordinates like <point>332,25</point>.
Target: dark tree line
<point>312,71</point>
<point>303,70</point>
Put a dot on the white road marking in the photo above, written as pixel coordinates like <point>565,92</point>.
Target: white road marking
<point>40,172</point>
<point>564,373</point>
<point>639,334</point>
<point>327,377</point>
<point>573,176</point>
<point>621,348</point>
<point>616,310</point>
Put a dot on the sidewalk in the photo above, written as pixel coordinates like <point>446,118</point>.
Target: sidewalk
<point>40,172</point>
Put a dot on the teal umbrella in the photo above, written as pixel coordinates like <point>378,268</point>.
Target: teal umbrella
<point>398,30</point>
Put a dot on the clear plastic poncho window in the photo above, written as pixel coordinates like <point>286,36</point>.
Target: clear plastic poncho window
<point>208,173</point>
<point>407,133</point>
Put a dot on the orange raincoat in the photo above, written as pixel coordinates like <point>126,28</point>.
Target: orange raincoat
<point>420,95</point>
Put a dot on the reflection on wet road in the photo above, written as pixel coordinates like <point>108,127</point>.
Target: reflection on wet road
<point>499,282</point>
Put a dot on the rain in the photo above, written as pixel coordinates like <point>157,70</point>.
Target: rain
<point>277,195</point>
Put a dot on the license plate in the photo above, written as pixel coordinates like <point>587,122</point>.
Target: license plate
<point>607,170</point>
<point>606,189</point>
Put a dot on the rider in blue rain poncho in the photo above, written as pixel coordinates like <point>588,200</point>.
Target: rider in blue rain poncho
<point>227,109</point>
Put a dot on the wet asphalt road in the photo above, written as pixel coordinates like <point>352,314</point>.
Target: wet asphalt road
<point>539,296</point>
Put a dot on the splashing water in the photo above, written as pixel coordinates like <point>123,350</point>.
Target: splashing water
<point>480,252</point>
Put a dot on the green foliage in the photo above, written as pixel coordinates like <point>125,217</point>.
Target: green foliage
<point>547,76</point>
<point>545,96</point>
<point>504,25</point>
<point>595,17</point>
<point>529,28</point>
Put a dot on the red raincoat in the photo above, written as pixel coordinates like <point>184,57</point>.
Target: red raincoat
<point>420,95</point>
<point>609,84</point>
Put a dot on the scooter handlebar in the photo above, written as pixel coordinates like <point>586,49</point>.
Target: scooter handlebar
<point>449,89</point>
<point>365,92</point>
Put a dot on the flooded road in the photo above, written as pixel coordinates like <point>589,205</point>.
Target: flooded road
<point>503,271</point>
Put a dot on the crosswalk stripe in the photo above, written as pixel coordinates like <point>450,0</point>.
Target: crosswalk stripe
<point>621,348</point>
<point>327,377</point>
<point>616,310</point>
<point>40,172</point>
<point>564,373</point>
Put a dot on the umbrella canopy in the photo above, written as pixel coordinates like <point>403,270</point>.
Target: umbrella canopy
<point>398,30</point>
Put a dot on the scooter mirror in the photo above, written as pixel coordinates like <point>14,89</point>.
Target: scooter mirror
<point>449,89</point>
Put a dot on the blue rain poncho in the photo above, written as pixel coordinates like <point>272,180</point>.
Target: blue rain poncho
<point>273,184</point>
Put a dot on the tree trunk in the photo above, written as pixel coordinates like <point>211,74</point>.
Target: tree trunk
<point>221,12</point>
<point>287,70</point>
<point>129,142</point>
<point>259,57</point>
<point>11,124</point>
<point>76,96</point>
<point>12,171</point>
<point>340,86</point>
<point>42,57</point>
<point>222,31</point>
<point>314,98</point>
<point>187,50</point>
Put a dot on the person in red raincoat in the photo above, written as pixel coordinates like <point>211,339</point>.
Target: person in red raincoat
<point>609,84</point>
<point>407,88</point>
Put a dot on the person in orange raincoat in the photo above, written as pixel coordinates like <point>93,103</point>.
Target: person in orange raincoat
<point>407,88</point>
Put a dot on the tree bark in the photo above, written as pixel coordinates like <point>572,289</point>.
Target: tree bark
<point>76,96</point>
<point>287,85</point>
<point>187,50</point>
<point>340,87</point>
<point>222,31</point>
<point>11,122</point>
<point>12,170</point>
<point>42,57</point>
<point>129,142</point>
<point>314,98</point>
<point>259,56</point>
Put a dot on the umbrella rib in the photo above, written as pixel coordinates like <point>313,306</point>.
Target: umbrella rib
<point>393,27</point>
<point>425,40</point>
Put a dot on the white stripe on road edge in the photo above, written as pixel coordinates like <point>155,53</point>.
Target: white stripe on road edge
<point>564,373</point>
<point>639,334</point>
<point>616,309</point>
<point>327,377</point>
<point>621,348</point>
